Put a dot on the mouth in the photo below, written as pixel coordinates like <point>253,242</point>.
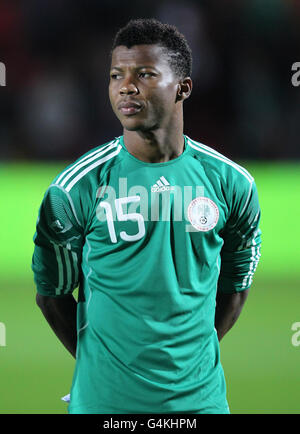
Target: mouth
<point>129,108</point>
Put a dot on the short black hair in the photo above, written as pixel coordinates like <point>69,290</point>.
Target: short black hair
<point>151,31</point>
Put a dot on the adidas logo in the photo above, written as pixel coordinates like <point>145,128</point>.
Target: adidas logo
<point>57,226</point>
<point>161,185</point>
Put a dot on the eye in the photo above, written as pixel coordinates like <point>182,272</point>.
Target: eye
<point>115,76</point>
<point>146,74</point>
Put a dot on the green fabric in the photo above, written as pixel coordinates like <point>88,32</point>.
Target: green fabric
<point>148,244</point>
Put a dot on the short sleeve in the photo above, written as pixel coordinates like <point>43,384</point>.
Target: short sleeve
<point>240,253</point>
<point>56,261</point>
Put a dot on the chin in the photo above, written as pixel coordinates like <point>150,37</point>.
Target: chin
<point>133,126</point>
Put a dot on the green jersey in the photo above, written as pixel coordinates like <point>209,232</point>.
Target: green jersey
<point>148,244</point>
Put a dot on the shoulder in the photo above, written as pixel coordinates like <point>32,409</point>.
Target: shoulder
<point>219,164</point>
<point>85,170</point>
<point>73,189</point>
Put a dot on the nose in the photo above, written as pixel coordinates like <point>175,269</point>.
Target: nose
<point>128,87</point>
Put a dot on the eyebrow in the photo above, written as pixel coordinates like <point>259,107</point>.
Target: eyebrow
<point>138,67</point>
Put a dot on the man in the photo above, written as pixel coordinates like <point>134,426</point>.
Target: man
<point>158,287</point>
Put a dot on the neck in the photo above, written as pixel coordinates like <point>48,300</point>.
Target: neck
<point>157,146</point>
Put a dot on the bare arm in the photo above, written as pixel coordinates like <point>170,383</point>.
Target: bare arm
<point>228,309</point>
<point>61,316</point>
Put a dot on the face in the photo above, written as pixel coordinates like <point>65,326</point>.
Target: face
<point>142,88</point>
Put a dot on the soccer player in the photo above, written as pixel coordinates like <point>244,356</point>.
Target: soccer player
<point>160,233</point>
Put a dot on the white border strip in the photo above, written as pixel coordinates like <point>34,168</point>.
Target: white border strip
<point>60,285</point>
<point>88,169</point>
<point>102,149</point>
<point>85,163</point>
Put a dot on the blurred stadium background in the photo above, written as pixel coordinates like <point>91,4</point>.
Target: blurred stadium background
<point>55,107</point>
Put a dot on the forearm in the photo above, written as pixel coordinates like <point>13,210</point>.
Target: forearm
<point>228,309</point>
<point>61,316</point>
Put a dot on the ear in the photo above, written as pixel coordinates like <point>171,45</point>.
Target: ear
<point>184,89</point>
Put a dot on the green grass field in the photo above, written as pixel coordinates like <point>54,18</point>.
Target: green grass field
<point>260,363</point>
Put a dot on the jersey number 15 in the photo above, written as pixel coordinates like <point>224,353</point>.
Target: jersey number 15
<point>121,216</point>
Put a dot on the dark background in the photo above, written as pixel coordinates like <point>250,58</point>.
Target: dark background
<point>55,105</point>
